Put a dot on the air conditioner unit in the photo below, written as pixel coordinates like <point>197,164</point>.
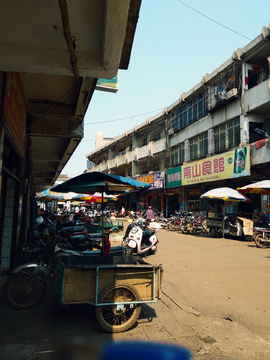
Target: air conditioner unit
<point>171,131</point>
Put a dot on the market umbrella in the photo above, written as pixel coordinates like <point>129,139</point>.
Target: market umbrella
<point>48,195</point>
<point>96,197</point>
<point>89,183</point>
<point>260,187</point>
<point>226,194</point>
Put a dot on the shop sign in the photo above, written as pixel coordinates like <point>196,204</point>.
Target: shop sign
<point>155,179</point>
<point>174,177</point>
<point>194,192</point>
<point>110,85</point>
<point>232,164</point>
<point>15,108</point>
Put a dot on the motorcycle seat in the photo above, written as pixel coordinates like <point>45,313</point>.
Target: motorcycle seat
<point>72,223</point>
<point>78,239</point>
<point>73,229</point>
<point>94,236</point>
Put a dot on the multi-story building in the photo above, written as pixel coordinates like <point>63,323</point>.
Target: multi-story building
<point>207,138</point>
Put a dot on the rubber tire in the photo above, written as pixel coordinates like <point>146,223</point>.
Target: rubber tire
<point>152,252</point>
<point>259,243</point>
<point>213,232</point>
<point>171,227</point>
<point>184,231</point>
<point>15,283</point>
<point>129,316</point>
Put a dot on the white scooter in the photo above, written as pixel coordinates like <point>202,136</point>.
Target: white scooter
<point>140,239</point>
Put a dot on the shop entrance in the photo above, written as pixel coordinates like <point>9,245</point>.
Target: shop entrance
<point>193,200</point>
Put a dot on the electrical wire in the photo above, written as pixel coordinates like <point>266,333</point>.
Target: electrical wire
<point>213,20</point>
<point>121,119</point>
<point>78,84</point>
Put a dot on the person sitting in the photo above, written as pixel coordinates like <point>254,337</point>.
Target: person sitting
<point>262,220</point>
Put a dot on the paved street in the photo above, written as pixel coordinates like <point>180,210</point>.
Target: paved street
<point>215,301</point>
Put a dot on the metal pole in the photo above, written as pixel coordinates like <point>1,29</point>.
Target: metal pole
<point>102,223</point>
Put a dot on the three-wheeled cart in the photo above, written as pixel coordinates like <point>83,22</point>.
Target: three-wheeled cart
<point>117,286</point>
<point>242,228</point>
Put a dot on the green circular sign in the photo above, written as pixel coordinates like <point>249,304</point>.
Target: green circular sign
<point>230,160</point>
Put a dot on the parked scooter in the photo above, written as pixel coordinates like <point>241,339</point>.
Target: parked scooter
<point>141,238</point>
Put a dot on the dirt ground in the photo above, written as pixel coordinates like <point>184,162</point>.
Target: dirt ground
<point>215,301</point>
<point>216,295</point>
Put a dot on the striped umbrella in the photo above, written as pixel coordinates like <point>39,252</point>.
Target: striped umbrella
<point>224,193</point>
<point>260,187</point>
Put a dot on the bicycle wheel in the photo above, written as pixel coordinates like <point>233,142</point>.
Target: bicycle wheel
<point>112,319</point>
<point>20,293</point>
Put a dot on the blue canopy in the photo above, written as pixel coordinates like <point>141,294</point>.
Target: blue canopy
<point>88,183</point>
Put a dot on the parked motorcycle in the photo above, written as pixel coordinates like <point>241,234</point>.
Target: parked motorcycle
<point>196,226</point>
<point>27,284</point>
<point>141,238</point>
<point>186,223</point>
<point>164,222</point>
<point>262,237</point>
<point>175,222</point>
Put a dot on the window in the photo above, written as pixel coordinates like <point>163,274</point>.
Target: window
<point>177,155</point>
<point>190,112</point>
<point>198,146</point>
<point>155,135</point>
<point>227,135</point>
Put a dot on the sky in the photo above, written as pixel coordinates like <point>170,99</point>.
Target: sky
<point>176,43</point>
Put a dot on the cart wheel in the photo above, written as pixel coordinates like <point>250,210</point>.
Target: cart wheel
<point>109,317</point>
<point>213,232</point>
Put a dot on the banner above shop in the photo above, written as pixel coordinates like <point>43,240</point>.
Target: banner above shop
<point>231,164</point>
<point>156,180</point>
<point>174,177</point>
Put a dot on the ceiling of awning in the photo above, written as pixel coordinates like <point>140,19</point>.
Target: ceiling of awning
<point>61,48</point>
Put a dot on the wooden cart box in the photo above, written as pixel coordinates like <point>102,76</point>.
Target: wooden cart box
<point>214,223</point>
<point>82,283</point>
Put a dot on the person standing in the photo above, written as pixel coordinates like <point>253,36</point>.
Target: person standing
<point>149,213</point>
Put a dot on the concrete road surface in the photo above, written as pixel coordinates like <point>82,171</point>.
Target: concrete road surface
<point>215,302</point>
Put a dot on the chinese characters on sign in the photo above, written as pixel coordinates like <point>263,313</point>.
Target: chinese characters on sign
<point>217,167</point>
<point>155,179</point>
<point>204,172</point>
<point>174,177</point>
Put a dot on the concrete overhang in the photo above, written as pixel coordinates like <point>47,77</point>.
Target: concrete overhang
<point>60,48</point>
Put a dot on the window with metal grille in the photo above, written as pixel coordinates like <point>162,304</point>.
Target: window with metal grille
<point>177,155</point>
<point>155,135</point>
<point>189,112</point>
<point>198,146</point>
<point>227,135</point>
